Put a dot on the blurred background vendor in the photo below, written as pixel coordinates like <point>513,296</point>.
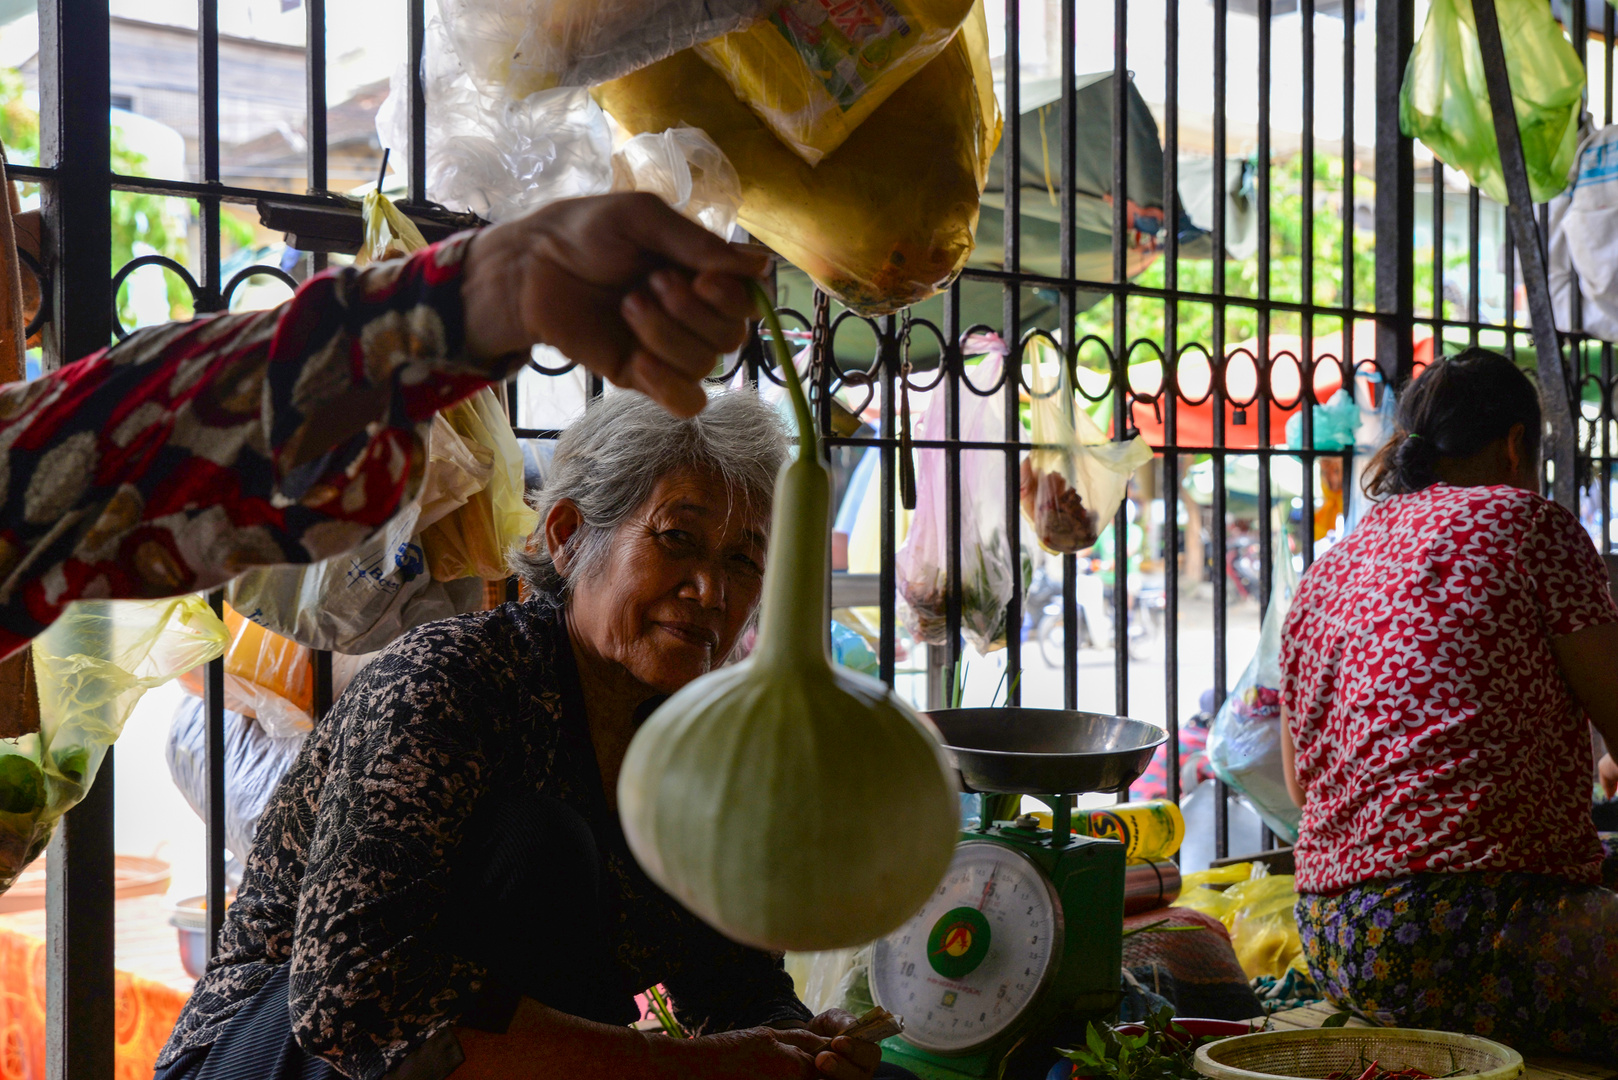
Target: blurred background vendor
<point>1442,666</point>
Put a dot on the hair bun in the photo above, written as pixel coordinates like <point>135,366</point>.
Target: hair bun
<point>1415,460</point>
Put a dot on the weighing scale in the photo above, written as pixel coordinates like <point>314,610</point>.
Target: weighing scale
<point>1022,941</point>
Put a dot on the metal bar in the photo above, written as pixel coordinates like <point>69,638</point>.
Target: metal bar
<point>324,698</point>
<point>951,389</point>
<point>1171,358</point>
<point>1438,242</point>
<point>418,104</point>
<point>1561,433</point>
<point>1266,508</point>
<point>1120,347</point>
<point>208,151</point>
<point>1066,308</point>
<point>75,140</point>
<point>315,75</point>
<point>1474,287</point>
<point>1216,526</point>
<point>213,704</point>
<point>1011,330</point>
<point>1395,196</point>
<point>888,524</point>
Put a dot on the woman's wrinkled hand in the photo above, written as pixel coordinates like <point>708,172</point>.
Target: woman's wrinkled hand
<point>757,1054</point>
<point>843,1059</point>
<point>619,283</point>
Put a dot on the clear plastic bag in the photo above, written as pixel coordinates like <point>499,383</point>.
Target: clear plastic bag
<point>813,70</point>
<point>1074,480</point>
<point>473,538</point>
<point>91,666</point>
<point>515,48</point>
<point>498,156</point>
<point>922,561</point>
<point>836,979</point>
<point>866,224</point>
<point>357,602</point>
<point>1444,100</point>
<point>267,677</point>
<point>688,170</point>
<point>389,234</point>
<point>255,762</point>
<point>1244,741</point>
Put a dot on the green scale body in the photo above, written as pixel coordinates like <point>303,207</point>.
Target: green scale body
<point>1019,947</point>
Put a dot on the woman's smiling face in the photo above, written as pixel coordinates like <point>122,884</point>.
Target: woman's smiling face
<point>680,581</point>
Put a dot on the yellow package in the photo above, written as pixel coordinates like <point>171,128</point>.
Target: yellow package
<point>1257,909</point>
<point>813,70</point>
<point>267,677</point>
<point>472,540</point>
<point>868,224</point>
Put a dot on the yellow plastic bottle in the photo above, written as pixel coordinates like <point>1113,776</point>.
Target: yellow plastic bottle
<point>1149,830</point>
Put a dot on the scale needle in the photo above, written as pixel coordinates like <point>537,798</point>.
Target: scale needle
<point>988,887</point>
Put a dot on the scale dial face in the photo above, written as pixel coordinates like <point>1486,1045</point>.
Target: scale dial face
<point>976,956</point>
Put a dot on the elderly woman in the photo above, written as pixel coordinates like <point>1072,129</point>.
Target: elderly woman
<point>1442,667</point>
<point>441,885</point>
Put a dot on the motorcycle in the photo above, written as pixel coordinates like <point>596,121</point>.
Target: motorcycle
<point>1146,607</point>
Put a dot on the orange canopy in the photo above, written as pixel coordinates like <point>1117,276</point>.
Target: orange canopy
<point>1194,412</point>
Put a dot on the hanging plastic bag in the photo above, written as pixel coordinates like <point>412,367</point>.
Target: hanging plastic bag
<point>357,602</point>
<point>1378,414</point>
<point>1244,741</point>
<point>1074,480</point>
<point>813,70</point>
<point>866,224</point>
<point>514,48</point>
<point>91,666</point>
<point>1444,101</point>
<point>389,234</point>
<point>472,539</point>
<point>922,561</point>
<point>255,762</point>
<point>1584,240</point>
<point>267,677</point>
<point>688,170</point>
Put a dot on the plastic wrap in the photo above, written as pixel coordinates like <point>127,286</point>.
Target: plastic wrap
<point>515,48</point>
<point>267,677</point>
<point>1444,101</point>
<point>922,562</point>
<point>473,538</point>
<point>498,156</point>
<point>813,70</point>
<point>870,226</point>
<point>1244,741</point>
<point>1074,480</point>
<point>389,234</point>
<point>688,170</point>
<point>357,602</point>
<point>255,762</point>
<point>91,666</point>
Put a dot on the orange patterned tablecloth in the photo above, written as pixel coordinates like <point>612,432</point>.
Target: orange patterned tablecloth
<point>146,1014</point>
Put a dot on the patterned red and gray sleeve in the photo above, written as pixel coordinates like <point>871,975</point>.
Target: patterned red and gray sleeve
<point>177,458</point>
<point>1568,576</point>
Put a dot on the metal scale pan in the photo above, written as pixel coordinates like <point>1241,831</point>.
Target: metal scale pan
<point>1011,751</point>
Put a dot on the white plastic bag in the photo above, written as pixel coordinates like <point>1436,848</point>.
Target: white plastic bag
<point>688,170</point>
<point>922,561</point>
<point>521,47</point>
<point>1244,741</point>
<point>255,762</point>
<point>357,602</point>
<point>1584,240</point>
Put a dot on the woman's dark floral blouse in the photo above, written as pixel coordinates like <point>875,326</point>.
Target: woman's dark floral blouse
<point>351,862</point>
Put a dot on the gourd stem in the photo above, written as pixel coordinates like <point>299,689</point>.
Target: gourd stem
<point>808,438</point>
<point>793,619</point>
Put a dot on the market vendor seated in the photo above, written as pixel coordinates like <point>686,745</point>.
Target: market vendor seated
<point>440,884</point>
<point>1441,668</point>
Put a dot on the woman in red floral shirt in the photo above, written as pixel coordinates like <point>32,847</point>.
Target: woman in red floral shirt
<point>186,453</point>
<point>1441,670</point>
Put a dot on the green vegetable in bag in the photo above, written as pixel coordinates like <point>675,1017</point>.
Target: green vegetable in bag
<point>92,665</point>
<point>1445,98</point>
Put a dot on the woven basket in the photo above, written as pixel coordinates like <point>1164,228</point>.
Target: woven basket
<point>1318,1053</point>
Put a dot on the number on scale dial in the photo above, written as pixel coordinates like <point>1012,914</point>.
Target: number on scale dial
<point>976,956</point>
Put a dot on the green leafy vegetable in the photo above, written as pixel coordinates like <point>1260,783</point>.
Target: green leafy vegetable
<point>790,803</point>
<point>1164,1051</point>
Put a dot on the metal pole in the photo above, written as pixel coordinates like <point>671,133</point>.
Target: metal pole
<point>1395,196</point>
<point>1560,435</point>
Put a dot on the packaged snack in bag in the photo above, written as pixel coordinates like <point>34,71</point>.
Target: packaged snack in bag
<point>92,665</point>
<point>1244,741</point>
<point>813,70</point>
<point>922,562</point>
<point>1075,478</point>
<point>869,226</point>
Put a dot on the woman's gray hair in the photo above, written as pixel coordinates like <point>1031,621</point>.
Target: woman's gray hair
<point>608,461</point>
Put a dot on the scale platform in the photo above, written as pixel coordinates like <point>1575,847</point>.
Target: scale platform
<point>1021,943</point>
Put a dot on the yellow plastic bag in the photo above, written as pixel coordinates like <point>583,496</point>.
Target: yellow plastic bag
<point>472,539</point>
<point>389,234</point>
<point>867,224</point>
<point>815,69</point>
<point>267,677</point>
<point>91,666</point>
<point>1257,909</point>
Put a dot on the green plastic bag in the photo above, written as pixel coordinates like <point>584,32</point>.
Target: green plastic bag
<point>1445,98</point>
<point>92,666</point>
